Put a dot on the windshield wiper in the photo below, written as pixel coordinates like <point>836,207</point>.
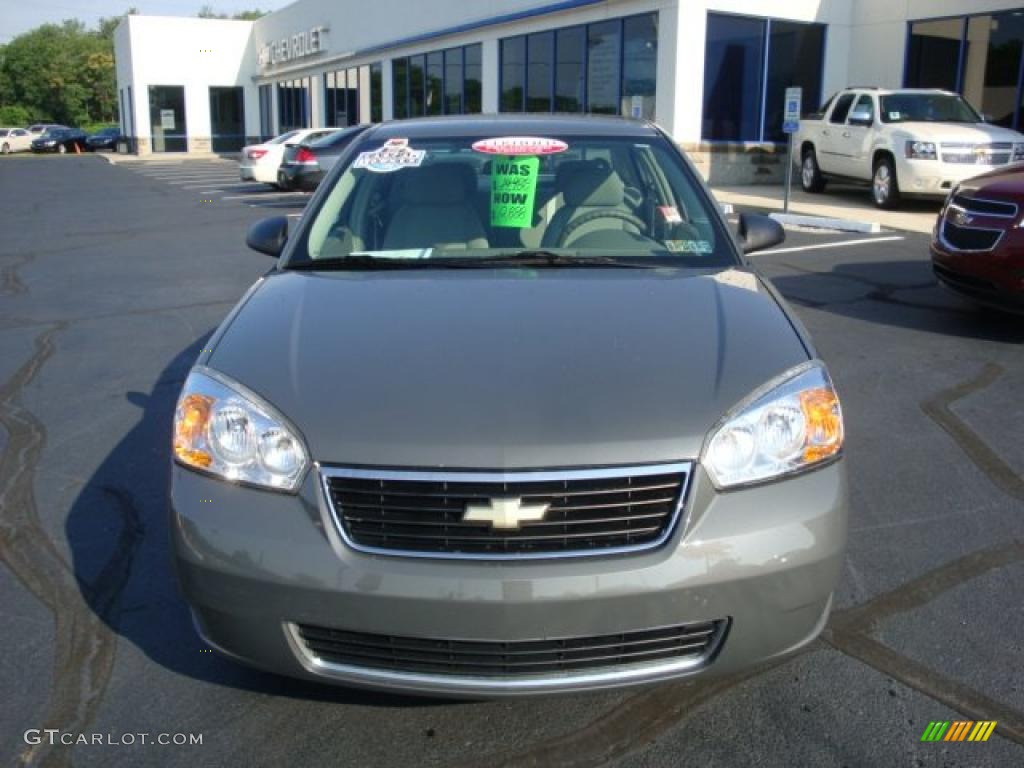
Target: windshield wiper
<point>544,258</point>
<point>360,261</point>
<point>526,258</point>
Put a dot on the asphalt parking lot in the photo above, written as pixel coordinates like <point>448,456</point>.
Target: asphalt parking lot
<point>112,278</point>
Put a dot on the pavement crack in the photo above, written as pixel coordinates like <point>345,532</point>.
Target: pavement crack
<point>849,631</point>
<point>937,407</point>
<point>84,646</point>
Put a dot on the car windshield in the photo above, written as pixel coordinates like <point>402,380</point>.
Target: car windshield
<point>552,200</point>
<point>927,108</point>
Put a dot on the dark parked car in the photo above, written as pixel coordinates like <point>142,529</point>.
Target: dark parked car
<point>977,244</point>
<point>304,166</point>
<point>105,138</point>
<point>61,140</point>
<point>511,414</point>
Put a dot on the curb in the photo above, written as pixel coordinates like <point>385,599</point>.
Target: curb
<point>826,222</point>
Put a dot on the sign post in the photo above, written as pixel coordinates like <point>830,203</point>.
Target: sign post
<point>790,125</point>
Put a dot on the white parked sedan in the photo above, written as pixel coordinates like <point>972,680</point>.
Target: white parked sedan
<point>260,161</point>
<point>15,140</point>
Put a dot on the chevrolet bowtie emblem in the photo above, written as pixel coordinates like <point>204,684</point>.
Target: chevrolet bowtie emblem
<point>504,513</point>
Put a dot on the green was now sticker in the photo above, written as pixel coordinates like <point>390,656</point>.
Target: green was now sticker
<point>513,187</point>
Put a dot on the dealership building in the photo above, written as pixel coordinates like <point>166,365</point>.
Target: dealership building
<point>711,72</point>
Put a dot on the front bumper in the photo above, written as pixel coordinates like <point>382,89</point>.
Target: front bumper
<point>994,278</point>
<point>253,564</point>
<point>935,178</point>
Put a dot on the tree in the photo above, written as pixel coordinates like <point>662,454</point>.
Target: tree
<point>62,72</point>
<point>207,12</point>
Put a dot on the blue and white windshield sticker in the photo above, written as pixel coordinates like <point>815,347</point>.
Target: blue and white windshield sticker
<point>395,155</point>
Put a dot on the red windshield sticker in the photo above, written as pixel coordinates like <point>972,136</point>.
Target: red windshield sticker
<point>670,214</point>
<point>520,145</point>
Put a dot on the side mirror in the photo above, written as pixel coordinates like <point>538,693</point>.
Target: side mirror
<point>758,232</point>
<point>863,119</point>
<point>268,235</point>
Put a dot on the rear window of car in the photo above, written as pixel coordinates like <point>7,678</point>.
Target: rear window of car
<point>466,198</point>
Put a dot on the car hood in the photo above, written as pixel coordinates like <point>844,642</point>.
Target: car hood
<point>503,369</point>
<point>1004,182</point>
<point>976,133</point>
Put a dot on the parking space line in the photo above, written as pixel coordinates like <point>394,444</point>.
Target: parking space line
<point>265,196</point>
<point>839,244</point>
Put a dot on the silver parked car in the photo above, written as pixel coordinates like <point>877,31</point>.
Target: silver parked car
<point>511,415</point>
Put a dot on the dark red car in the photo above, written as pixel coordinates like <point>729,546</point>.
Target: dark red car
<point>978,242</point>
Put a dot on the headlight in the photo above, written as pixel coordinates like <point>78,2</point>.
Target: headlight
<point>222,428</point>
<point>791,424</point>
<point>1018,152</point>
<point>921,150</point>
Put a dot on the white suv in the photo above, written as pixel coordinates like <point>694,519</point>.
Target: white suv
<point>902,142</point>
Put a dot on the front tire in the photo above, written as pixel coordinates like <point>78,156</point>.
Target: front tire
<point>885,187</point>
<point>5,149</point>
<point>811,179</point>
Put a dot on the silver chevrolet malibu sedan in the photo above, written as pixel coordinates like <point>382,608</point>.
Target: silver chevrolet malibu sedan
<point>511,414</point>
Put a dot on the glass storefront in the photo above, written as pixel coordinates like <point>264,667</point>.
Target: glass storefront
<point>266,112</point>
<point>437,83</point>
<point>748,64</point>
<point>608,67</point>
<point>167,118</point>
<point>979,56</point>
<point>341,97</point>
<point>227,118</point>
<point>293,104</point>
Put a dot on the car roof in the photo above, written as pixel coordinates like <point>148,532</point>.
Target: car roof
<point>510,124</point>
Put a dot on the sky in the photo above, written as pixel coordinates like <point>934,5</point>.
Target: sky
<point>23,15</point>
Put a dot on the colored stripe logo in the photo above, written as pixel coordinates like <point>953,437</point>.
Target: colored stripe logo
<point>958,730</point>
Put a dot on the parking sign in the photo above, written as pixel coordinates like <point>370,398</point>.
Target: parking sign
<point>791,116</point>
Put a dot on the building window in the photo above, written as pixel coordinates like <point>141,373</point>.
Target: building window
<point>376,94</point>
<point>266,112</point>
<point>341,98</point>
<point>608,67</point>
<point>795,55</point>
<point>603,53</point>
<point>293,104</point>
<point>400,88</point>
<point>570,69</point>
<point>933,53</point>
<point>473,76</point>
<point>513,73</point>
<point>977,55</point>
<point>227,118</point>
<point>540,69</point>
<point>639,65</point>
<point>438,83</point>
<point>167,118</point>
<point>434,97</point>
<point>748,64</point>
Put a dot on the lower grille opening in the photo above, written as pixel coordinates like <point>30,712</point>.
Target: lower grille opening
<point>970,238</point>
<point>510,659</point>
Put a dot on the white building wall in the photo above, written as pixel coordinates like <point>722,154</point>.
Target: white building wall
<point>195,53</point>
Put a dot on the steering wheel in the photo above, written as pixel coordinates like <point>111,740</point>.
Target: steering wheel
<point>575,224</point>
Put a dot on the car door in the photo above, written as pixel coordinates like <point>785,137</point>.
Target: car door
<point>21,140</point>
<point>829,141</point>
<point>856,138</point>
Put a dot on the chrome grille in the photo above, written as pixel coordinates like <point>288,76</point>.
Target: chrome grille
<point>961,238</point>
<point>976,206</point>
<point>998,153</point>
<point>600,511</point>
<point>695,642</point>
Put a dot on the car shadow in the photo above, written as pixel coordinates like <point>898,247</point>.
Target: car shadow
<point>117,532</point>
<point>900,293</point>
